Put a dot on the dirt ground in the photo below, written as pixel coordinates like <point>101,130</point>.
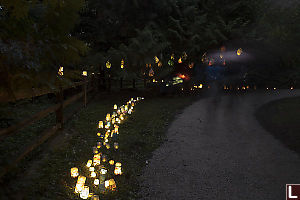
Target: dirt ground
<point>216,149</point>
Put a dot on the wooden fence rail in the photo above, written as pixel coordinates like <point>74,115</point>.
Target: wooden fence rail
<point>60,118</point>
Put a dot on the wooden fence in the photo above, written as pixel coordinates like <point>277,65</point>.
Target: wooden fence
<point>58,108</point>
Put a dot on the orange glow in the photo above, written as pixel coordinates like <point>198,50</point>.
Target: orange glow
<point>181,76</point>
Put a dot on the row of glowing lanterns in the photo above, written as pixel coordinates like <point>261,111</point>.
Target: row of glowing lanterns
<point>237,88</point>
<point>108,129</point>
<point>159,63</point>
<point>84,73</point>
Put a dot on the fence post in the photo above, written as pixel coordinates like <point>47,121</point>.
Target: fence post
<point>59,112</point>
<point>121,83</point>
<point>84,91</point>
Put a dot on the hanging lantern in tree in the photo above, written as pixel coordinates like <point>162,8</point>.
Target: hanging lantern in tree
<point>180,60</point>
<point>156,59</point>
<point>61,71</point>
<point>151,72</point>
<point>159,64</point>
<point>171,62</point>
<point>84,73</point>
<point>172,56</point>
<point>191,65</point>
<point>108,65</point>
<point>122,64</point>
<point>239,51</point>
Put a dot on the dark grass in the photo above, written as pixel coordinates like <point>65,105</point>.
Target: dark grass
<point>282,119</point>
<point>140,134</point>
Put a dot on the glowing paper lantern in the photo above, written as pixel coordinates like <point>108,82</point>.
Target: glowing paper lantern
<point>151,72</point>
<point>172,56</point>
<point>104,159</point>
<point>95,197</point>
<point>111,162</point>
<point>100,124</point>
<point>159,64</point>
<point>85,192</point>
<point>96,159</point>
<point>108,65</point>
<point>98,145</point>
<point>108,117</point>
<point>118,169</point>
<point>110,184</point>
<point>93,174</point>
<point>179,60</point>
<point>156,59</point>
<point>239,51</point>
<point>96,181</point>
<point>122,64</point>
<point>89,163</point>
<point>61,71</point>
<point>95,150</point>
<point>84,73</point>
<point>74,172</point>
<point>92,169</point>
<point>80,184</point>
<point>116,145</point>
<point>191,65</point>
<point>115,107</point>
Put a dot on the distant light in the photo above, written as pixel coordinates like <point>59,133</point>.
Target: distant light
<point>239,51</point>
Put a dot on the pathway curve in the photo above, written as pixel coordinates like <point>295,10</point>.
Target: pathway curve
<point>217,150</point>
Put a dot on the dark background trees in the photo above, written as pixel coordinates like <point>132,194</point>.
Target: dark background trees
<point>36,37</point>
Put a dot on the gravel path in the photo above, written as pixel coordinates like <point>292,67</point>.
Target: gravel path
<point>217,150</point>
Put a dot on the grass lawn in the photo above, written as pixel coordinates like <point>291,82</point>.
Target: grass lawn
<point>140,134</point>
<point>282,119</point>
